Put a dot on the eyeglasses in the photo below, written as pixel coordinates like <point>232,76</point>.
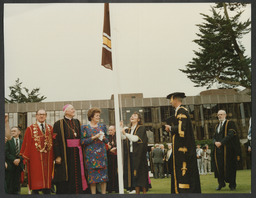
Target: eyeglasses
<point>43,114</point>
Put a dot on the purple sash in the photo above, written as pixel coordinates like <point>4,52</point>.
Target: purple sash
<point>76,143</point>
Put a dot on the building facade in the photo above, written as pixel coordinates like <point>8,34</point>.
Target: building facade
<point>202,108</point>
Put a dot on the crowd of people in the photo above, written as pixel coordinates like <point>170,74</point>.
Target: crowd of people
<point>203,159</point>
<point>81,159</point>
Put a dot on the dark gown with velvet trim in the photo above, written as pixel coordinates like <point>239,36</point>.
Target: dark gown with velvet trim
<point>185,177</point>
<point>71,183</point>
<point>136,171</point>
<point>226,158</point>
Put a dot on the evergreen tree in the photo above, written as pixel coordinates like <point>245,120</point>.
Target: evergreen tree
<point>220,58</point>
<point>17,94</point>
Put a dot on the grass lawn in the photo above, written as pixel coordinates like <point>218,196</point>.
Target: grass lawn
<point>208,184</point>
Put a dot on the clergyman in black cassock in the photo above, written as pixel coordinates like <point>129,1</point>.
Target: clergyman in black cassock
<point>67,172</point>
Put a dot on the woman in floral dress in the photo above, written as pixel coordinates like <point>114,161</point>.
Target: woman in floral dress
<point>93,137</point>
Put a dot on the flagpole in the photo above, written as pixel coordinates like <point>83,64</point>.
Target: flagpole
<point>118,129</point>
<point>107,63</point>
<point>121,108</point>
<point>117,124</point>
<point>118,137</point>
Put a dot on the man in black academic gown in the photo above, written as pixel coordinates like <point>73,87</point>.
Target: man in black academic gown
<point>185,177</point>
<point>227,151</point>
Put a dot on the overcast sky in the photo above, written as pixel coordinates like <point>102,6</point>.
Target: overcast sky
<point>57,47</point>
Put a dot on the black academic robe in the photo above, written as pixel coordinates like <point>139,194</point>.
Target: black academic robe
<point>185,177</point>
<point>67,175</point>
<point>13,172</point>
<point>112,184</point>
<point>226,157</point>
<point>136,173</point>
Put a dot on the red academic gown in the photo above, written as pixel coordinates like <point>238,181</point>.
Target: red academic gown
<point>37,150</point>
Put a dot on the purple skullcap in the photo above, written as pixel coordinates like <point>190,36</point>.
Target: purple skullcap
<point>65,107</point>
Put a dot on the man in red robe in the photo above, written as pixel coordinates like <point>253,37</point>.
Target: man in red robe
<point>37,150</point>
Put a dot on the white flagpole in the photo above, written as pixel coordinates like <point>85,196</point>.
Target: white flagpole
<point>117,124</point>
<point>121,108</point>
<point>118,136</point>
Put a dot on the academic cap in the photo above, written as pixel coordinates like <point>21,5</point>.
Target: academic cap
<point>176,95</point>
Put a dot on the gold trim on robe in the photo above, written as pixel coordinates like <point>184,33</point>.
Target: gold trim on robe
<point>181,133</point>
<point>184,186</point>
<point>184,168</point>
<point>183,149</point>
<point>174,170</point>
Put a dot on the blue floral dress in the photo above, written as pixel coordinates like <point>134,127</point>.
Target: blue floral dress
<point>95,153</point>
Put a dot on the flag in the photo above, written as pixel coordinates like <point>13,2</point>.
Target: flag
<point>106,60</point>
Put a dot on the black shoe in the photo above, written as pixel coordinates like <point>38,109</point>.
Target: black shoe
<point>220,187</point>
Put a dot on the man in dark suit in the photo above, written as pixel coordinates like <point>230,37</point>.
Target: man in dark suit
<point>158,157</point>
<point>227,151</point>
<point>14,162</point>
<point>164,161</point>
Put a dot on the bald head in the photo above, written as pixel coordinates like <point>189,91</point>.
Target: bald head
<point>112,130</point>
<point>222,115</point>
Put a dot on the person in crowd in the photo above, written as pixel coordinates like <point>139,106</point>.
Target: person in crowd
<point>158,156</point>
<point>249,137</point>
<point>249,146</point>
<point>199,156</point>
<point>185,177</point>
<point>14,162</point>
<point>168,160</point>
<point>112,184</point>
<point>164,161</point>
<point>69,174</point>
<point>227,151</point>
<point>38,152</point>
<point>7,132</point>
<point>207,159</point>
<point>151,161</point>
<point>135,143</point>
<point>8,135</point>
<point>94,138</point>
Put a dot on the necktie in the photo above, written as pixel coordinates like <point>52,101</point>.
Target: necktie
<point>17,147</point>
<point>42,128</point>
<point>220,125</point>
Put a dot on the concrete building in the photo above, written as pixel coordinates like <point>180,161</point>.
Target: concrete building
<point>203,111</point>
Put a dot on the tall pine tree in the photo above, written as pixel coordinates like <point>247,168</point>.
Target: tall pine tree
<point>221,58</point>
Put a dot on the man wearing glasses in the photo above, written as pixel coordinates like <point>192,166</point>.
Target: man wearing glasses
<point>227,151</point>
<point>38,152</point>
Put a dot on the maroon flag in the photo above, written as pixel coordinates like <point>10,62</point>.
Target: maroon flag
<point>106,60</point>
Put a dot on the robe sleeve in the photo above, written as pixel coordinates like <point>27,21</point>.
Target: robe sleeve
<point>182,123</point>
<point>230,133</point>
<point>26,145</point>
<point>184,168</point>
<point>57,141</point>
<point>133,138</point>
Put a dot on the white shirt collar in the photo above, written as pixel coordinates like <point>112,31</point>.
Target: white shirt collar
<point>39,123</point>
<point>68,118</point>
<point>222,121</point>
<point>176,110</point>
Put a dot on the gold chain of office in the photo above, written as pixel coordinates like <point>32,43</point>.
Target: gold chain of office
<point>47,139</point>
